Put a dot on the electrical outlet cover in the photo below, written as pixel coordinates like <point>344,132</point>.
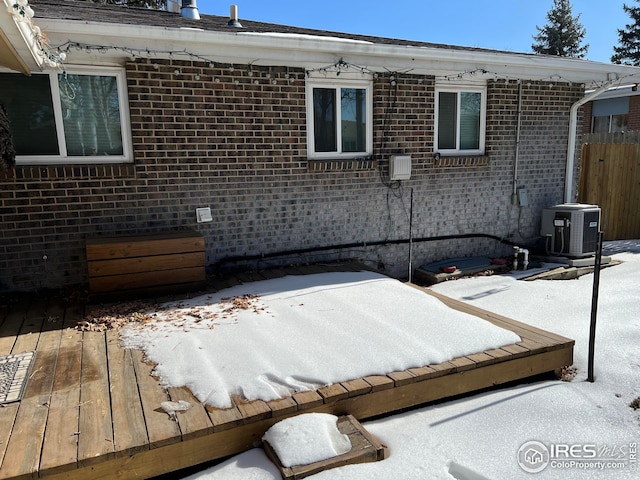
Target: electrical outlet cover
<point>203,215</point>
<point>523,197</point>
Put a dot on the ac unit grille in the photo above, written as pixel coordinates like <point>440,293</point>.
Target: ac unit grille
<point>571,229</point>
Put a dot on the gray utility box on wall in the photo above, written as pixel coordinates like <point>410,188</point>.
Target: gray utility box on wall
<point>571,229</point>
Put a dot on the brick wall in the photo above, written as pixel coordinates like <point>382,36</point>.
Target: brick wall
<point>209,136</point>
<point>633,121</point>
<point>586,109</point>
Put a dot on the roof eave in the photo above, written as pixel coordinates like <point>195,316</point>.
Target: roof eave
<point>18,48</point>
<point>309,51</point>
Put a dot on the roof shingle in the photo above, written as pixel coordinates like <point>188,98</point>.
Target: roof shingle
<point>84,11</point>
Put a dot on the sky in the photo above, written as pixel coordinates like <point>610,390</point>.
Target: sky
<point>494,24</point>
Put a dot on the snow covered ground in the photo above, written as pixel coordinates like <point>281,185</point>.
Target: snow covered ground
<point>568,430</point>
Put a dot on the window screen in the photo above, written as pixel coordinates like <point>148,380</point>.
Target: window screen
<point>91,115</point>
<point>353,119</point>
<point>30,109</point>
<point>324,121</point>
<point>469,120</point>
<point>447,124</point>
<point>460,120</point>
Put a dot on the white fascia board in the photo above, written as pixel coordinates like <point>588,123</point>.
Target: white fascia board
<point>20,38</point>
<point>308,51</point>
<point>618,92</point>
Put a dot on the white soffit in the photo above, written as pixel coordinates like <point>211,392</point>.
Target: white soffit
<point>307,51</point>
<point>15,51</point>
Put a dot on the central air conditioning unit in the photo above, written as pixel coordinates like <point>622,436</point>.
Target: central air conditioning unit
<point>571,229</point>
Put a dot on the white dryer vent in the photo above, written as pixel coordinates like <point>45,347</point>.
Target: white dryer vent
<point>400,167</point>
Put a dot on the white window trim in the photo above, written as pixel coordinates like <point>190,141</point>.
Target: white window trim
<point>609,121</point>
<point>125,125</point>
<point>312,83</point>
<point>457,88</point>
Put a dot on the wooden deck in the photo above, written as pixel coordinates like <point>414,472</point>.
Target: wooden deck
<point>91,409</point>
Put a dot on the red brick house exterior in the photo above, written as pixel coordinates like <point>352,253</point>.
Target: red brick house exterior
<point>233,136</point>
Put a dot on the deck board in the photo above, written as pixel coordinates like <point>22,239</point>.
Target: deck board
<point>225,419</point>
<point>13,317</point>
<point>29,333</point>
<point>60,447</point>
<point>162,429</point>
<point>195,421</point>
<point>333,393</point>
<point>7,418</point>
<point>22,457</point>
<point>95,423</point>
<point>92,409</point>
<point>308,399</point>
<point>129,428</point>
<point>283,407</point>
<point>402,378</point>
<point>379,382</point>
<point>10,327</point>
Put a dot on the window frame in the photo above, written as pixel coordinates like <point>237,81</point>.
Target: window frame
<point>458,89</point>
<point>609,119</point>
<point>608,108</point>
<point>338,84</point>
<point>125,124</point>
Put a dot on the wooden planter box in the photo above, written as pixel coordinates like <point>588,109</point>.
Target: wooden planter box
<point>140,265</point>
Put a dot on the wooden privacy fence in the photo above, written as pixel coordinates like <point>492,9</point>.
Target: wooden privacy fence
<point>610,178</point>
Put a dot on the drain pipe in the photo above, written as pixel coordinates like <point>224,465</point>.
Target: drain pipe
<point>573,130</point>
<point>189,9</point>
<point>343,246</point>
<point>233,17</point>
<point>514,194</point>
<point>411,238</point>
<point>525,257</point>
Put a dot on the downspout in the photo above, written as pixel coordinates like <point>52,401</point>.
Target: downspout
<point>571,149</point>
<point>514,194</point>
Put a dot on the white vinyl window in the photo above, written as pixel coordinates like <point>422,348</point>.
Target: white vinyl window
<point>460,120</point>
<point>610,115</point>
<point>339,119</point>
<point>71,117</point>
<point>609,123</point>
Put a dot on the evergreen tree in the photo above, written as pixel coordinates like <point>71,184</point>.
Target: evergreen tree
<point>153,4</point>
<point>563,34</point>
<point>628,50</point>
